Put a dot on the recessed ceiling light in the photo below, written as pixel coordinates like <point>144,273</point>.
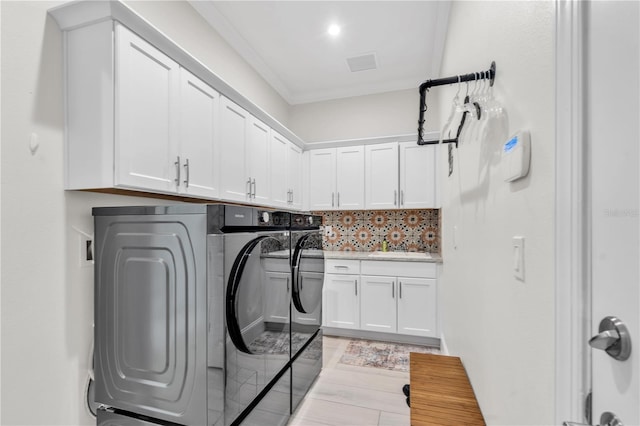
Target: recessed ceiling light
<point>333,30</point>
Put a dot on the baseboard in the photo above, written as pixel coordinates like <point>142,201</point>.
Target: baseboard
<point>444,349</point>
<point>385,337</point>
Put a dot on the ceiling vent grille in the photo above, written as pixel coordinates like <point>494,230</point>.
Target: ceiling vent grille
<point>362,62</point>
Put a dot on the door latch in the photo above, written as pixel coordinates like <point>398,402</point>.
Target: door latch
<point>607,419</point>
<point>613,337</point>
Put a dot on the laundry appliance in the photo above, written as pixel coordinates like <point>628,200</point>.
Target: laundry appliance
<point>192,327</point>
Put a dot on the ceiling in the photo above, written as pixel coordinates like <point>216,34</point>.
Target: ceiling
<point>288,44</point>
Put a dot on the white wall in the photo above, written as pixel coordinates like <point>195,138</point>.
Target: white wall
<point>502,328</point>
<point>47,297</point>
<point>384,114</point>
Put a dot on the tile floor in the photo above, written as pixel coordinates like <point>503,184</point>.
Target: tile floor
<point>351,395</point>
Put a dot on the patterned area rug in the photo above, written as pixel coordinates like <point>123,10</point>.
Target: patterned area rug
<point>390,356</point>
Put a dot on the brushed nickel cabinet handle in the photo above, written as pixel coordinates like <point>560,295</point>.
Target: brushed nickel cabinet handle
<point>186,170</point>
<point>177,164</point>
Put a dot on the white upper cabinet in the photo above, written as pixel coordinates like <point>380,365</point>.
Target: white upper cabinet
<point>146,96</point>
<point>286,172</point>
<point>336,178</point>
<point>294,160</point>
<point>135,119</point>
<point>198,154</point>
<point>350,178</point>
<point>143,114</point>
<point>279,172</point>
<point>322,179</point>
<point>418,185</point>
<point>401,175</point>
<point>235,122</point>
<point>381,171</point>
<point>257,159</point>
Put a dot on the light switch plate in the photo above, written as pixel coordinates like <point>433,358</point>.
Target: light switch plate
<point>518,257</point>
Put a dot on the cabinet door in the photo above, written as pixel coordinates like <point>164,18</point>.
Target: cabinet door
<point>350,177</point>
<point>295,176</point>
<point>322,179</point>
<point>381,171</point>
<point>258,158</point>
<point>417,175</point>
<point>417,308</point>
<point>276,297</point>
<point>279,173</point>
<point>378,304</point>
<point>234,133</point>
<point>147,88</point>
<point>198,141</point>
<point>341,302</point>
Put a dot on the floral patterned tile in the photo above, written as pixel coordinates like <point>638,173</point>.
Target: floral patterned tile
<point>414,230</point>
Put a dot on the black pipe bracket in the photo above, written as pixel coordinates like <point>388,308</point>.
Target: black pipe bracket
<point>489,74</point>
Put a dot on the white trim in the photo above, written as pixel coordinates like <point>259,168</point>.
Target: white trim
<point>444,349</point>
<point>572,285</point>
<point>385,337</point>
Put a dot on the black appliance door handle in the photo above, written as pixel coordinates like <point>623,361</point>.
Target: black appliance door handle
<point>233,288</point>
<point>297,279</point>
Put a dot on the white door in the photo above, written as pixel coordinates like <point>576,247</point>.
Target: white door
<point>322,179</point>
<point>417,175</point>
<point>280,194</point>
<point>147,88</point>
<point>378,304</point>
<point>350,178</point>
<point>294,180</point>
<point>381,176</point>
<point>417,306</point>
<point>198,141</point>
<point>341,302</point>
<point>234,134</point>
<point>258,161</point>
<point>612,129</point>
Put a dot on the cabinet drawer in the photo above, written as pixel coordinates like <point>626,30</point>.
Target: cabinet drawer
<point>347,266</point>
<point>399,269</point>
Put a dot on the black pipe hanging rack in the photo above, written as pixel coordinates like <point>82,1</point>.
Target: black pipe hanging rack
<point>489,74</point>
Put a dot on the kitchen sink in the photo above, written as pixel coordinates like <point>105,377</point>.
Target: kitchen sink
<point>401,255</point>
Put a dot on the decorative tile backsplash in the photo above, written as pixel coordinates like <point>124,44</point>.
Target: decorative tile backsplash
<point>411,230</point>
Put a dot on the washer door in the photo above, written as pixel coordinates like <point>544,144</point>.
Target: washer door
<point>246,297</point>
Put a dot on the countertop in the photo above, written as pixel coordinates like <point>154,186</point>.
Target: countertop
<point>389,255</point>
<point>361,255</point>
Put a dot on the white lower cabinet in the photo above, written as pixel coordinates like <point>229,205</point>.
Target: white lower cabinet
<point>388,297</point>
<point>417,307</point>
<point>341,302</point>
<point>378,304</point>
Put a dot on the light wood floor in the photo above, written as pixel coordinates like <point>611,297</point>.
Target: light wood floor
<point>349,395</point>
